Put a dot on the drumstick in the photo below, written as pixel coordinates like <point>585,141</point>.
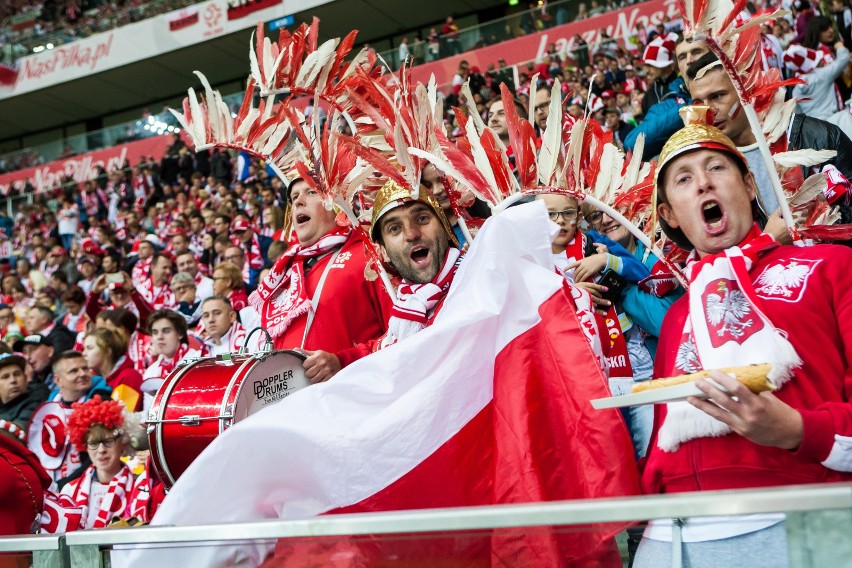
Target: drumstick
<point>752,376</point>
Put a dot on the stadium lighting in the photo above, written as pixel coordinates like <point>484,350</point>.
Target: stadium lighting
<point>38,49</point>
<point>50,46</point>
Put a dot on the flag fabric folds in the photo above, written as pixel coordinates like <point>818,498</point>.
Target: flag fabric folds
<point>488,405</point>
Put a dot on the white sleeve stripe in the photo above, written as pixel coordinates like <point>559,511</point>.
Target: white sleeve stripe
<point>840,458</point>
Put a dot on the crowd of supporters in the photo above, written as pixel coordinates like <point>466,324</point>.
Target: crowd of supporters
<point>142,267</point>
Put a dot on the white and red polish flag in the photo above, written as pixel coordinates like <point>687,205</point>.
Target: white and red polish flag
<point>488,405</point>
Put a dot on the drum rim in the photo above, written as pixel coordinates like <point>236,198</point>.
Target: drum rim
<point>246,366</point>
<point>158,427</point>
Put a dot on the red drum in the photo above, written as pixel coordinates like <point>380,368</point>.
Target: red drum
<point>203,397</point>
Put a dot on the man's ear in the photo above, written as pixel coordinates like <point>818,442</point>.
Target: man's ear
<point>664,211</point>
<point>751,185</point>
<point>233,317</point>
<point>383,254</point>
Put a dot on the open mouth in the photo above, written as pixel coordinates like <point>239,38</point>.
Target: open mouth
<point>713,215</point>
<point>420,255</point>
<point>302,218</point>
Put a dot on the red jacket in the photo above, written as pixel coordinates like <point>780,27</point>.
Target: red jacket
<point>816,313</point>
<point>127,375</point>
<point>351,309</point>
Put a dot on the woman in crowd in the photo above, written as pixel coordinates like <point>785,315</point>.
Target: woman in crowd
<point>101,428</point>
<point>228,282</point>
<point>105,352</point>
<point>272,222</point>
<point>208,254</point>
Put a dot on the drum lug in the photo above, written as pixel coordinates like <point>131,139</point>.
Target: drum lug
<point>150,429</point>
<point>229,412</point>
<point>190,420</point>
<point>188,361</point>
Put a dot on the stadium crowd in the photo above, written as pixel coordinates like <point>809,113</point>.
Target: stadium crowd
<point>108,284</point>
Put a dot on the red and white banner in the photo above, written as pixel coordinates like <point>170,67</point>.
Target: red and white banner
<point>147,39</point>
<point>84,167</point>
<point>619,24</point>
<point>489,405</point>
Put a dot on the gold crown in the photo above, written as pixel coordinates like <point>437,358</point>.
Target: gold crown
<point>695,135</point>
<point>392,195</point>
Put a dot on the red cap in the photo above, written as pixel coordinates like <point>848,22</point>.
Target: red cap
<point>58,251</point>
<point>607,94</point>
<point>175,232</point>
<point>241,225</point>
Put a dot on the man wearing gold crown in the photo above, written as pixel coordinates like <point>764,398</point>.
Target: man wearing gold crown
<point>751,301</point>
<point>416,240</point>
<point>302,300</point>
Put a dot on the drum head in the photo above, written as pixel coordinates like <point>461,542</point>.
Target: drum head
<point>48,434</point>
<point>275,378</point>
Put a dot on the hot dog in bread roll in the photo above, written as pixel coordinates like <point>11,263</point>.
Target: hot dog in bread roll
<point>752,376</point>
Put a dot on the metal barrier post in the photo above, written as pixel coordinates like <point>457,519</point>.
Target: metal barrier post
<point>819,539</point>
<point>86,556</point>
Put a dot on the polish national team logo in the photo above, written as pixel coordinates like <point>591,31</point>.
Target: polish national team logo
<point>785,280</point>
<point>686,360</point>
<point>730,316</point>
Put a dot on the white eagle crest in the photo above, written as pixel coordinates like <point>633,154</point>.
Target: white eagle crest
<point>728,308</point>
<point>780,280</point>
<point>687,357</point>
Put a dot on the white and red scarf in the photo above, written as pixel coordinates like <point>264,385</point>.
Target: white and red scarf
<point>234,338</point>
<point>138,351</point>
<point>254,257</point>
<point>414,302</point>
<point>141,270</point>
<point>158,297</point>
<point>726,327</point>
<point>168,365</point>
<point>115,502</point>
<point>282,296</point>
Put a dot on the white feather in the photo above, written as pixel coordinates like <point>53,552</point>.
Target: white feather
<point>631,176</point>
<point>480,158</point>
<point>472,113</point>
<point>448,169</point>
<point>198,128</point>
<point>805,158</point>
<point>548,157</point>
<point>255,68</point>
<point>314,64</point>
<point>531,109</point>
<point>812,187</point>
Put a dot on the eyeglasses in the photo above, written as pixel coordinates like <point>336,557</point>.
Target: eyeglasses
<point>568,215</point>
<point>108,443</point>
<point>594,218</point>
<point>220,278</point>
<point>542,107</point>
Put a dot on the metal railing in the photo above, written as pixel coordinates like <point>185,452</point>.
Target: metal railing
<point>163,122</point>
<point>819,521</point>
<point>489,33</point>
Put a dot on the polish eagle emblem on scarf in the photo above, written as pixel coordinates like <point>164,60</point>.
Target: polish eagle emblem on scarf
<point>730,316</point>
<point>785,280</point>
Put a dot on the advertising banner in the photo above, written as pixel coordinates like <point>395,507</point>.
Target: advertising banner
<point>618,24</point>
<point>85,166</point>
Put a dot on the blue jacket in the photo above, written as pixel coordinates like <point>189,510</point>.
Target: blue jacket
<point>661,121</point>
<point>633,270</point>
<point>647,310</point>
<point>99,386</point>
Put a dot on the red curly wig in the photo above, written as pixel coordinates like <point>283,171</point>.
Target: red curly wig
<point>107,413</point>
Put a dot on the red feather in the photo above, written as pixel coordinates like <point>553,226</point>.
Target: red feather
<point>522,139</point>
<point>464,164</point>
<point>498,161</point>
<point>739,6</point>
<point>376,159</point>
<point>841,232</point>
